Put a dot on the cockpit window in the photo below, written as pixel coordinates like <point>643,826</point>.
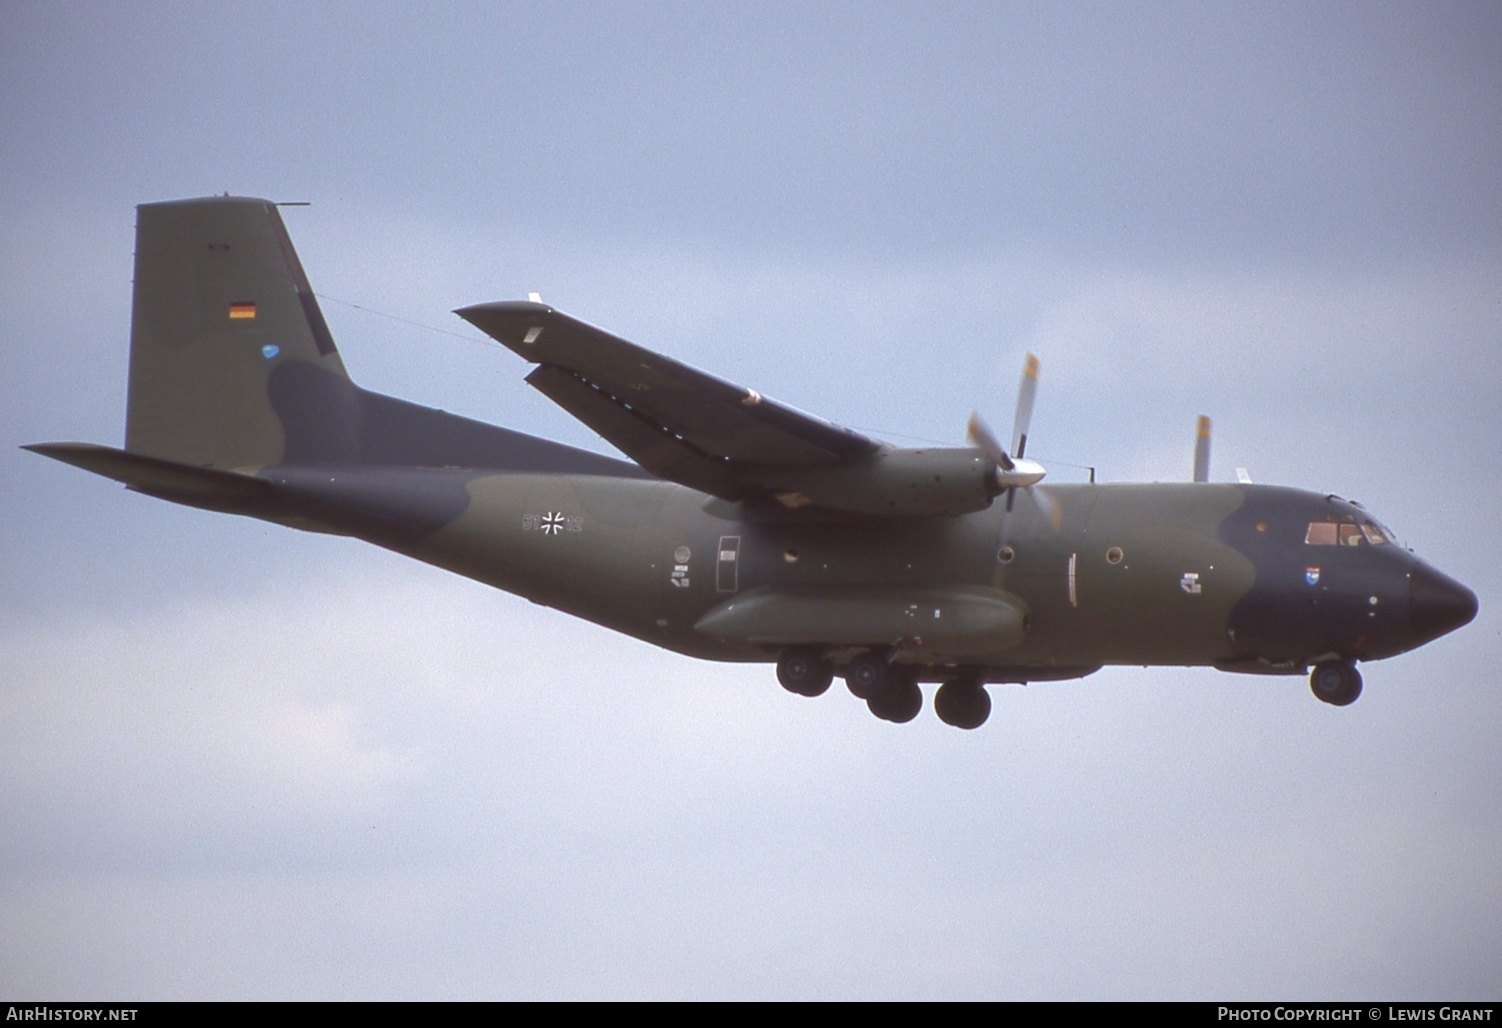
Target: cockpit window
<point>1321,533</point>
<point>1347,533</point>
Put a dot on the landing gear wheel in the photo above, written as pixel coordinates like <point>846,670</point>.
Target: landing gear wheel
<point>867,674</point>
<point>963,702</point>
<point>804,671</point>
<point>1336,682</point>
<point>900,701</point>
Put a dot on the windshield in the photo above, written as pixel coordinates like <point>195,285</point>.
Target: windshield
<point>1347,530</point>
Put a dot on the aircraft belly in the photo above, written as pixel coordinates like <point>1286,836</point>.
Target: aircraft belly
<point>944,624</point>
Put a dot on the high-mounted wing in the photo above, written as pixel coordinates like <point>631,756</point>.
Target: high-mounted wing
<point>676,421</point>
<point>726,440</point>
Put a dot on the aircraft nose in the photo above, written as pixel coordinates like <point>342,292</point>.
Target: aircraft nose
<point>1437,603</point>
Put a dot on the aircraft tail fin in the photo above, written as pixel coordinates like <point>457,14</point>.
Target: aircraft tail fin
<point>233,369</point>
<point>222,309</point>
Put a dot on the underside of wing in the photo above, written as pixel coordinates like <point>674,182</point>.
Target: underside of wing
<point>674,420</point>
<point>690,427</point>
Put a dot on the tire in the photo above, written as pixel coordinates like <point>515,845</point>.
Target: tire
<point>1335,682</point>
<point>867,675</point>
<point>900,701</point>
<point>963,703</point>
<point>804,671</point>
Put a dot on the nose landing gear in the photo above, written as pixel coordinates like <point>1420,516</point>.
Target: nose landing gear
<point>1336,682</point>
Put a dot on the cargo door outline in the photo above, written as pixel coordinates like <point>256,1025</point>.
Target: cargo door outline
<point>727,564</point>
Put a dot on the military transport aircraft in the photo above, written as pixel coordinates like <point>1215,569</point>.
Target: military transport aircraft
<point>745,530</point>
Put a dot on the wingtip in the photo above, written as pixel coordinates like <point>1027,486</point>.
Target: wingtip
<point>61,451</point>
<point>477,312</point>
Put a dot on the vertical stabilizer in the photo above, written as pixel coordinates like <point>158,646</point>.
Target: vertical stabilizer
<point>221,305</point>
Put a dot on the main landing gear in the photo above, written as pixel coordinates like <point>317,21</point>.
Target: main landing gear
<point>963,702</point>
<point>1337,682</point>
<point>890,690</point>
<point>803,670</point>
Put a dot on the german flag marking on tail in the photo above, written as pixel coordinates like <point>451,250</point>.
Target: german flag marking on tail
<point>242,311</point>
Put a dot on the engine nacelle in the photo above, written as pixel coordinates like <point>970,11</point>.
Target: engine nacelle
<point>891,482</point>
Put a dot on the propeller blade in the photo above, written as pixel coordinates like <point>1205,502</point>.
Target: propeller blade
<point>1039,497</point>
<point>1025,393</point>
<point>1202,450</point>
<point>984,439</point>
<point>1049,506</point>
<point>1013,472</point>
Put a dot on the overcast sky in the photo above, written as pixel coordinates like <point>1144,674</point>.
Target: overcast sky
<point>241,761</point>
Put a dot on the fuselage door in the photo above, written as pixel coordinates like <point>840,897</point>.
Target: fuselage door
<point>727,566</point>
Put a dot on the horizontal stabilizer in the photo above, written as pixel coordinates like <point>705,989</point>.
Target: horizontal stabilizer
<point>182,483</point>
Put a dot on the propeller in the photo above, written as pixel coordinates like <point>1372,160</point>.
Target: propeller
<point>1013,471</point>
<point>1202,450</point>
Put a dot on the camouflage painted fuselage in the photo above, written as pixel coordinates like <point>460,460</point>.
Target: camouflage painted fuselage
<point>745,530</point>
<point>1181,574</point>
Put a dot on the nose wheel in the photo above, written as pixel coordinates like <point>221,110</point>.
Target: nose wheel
<point>1336,682</point>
